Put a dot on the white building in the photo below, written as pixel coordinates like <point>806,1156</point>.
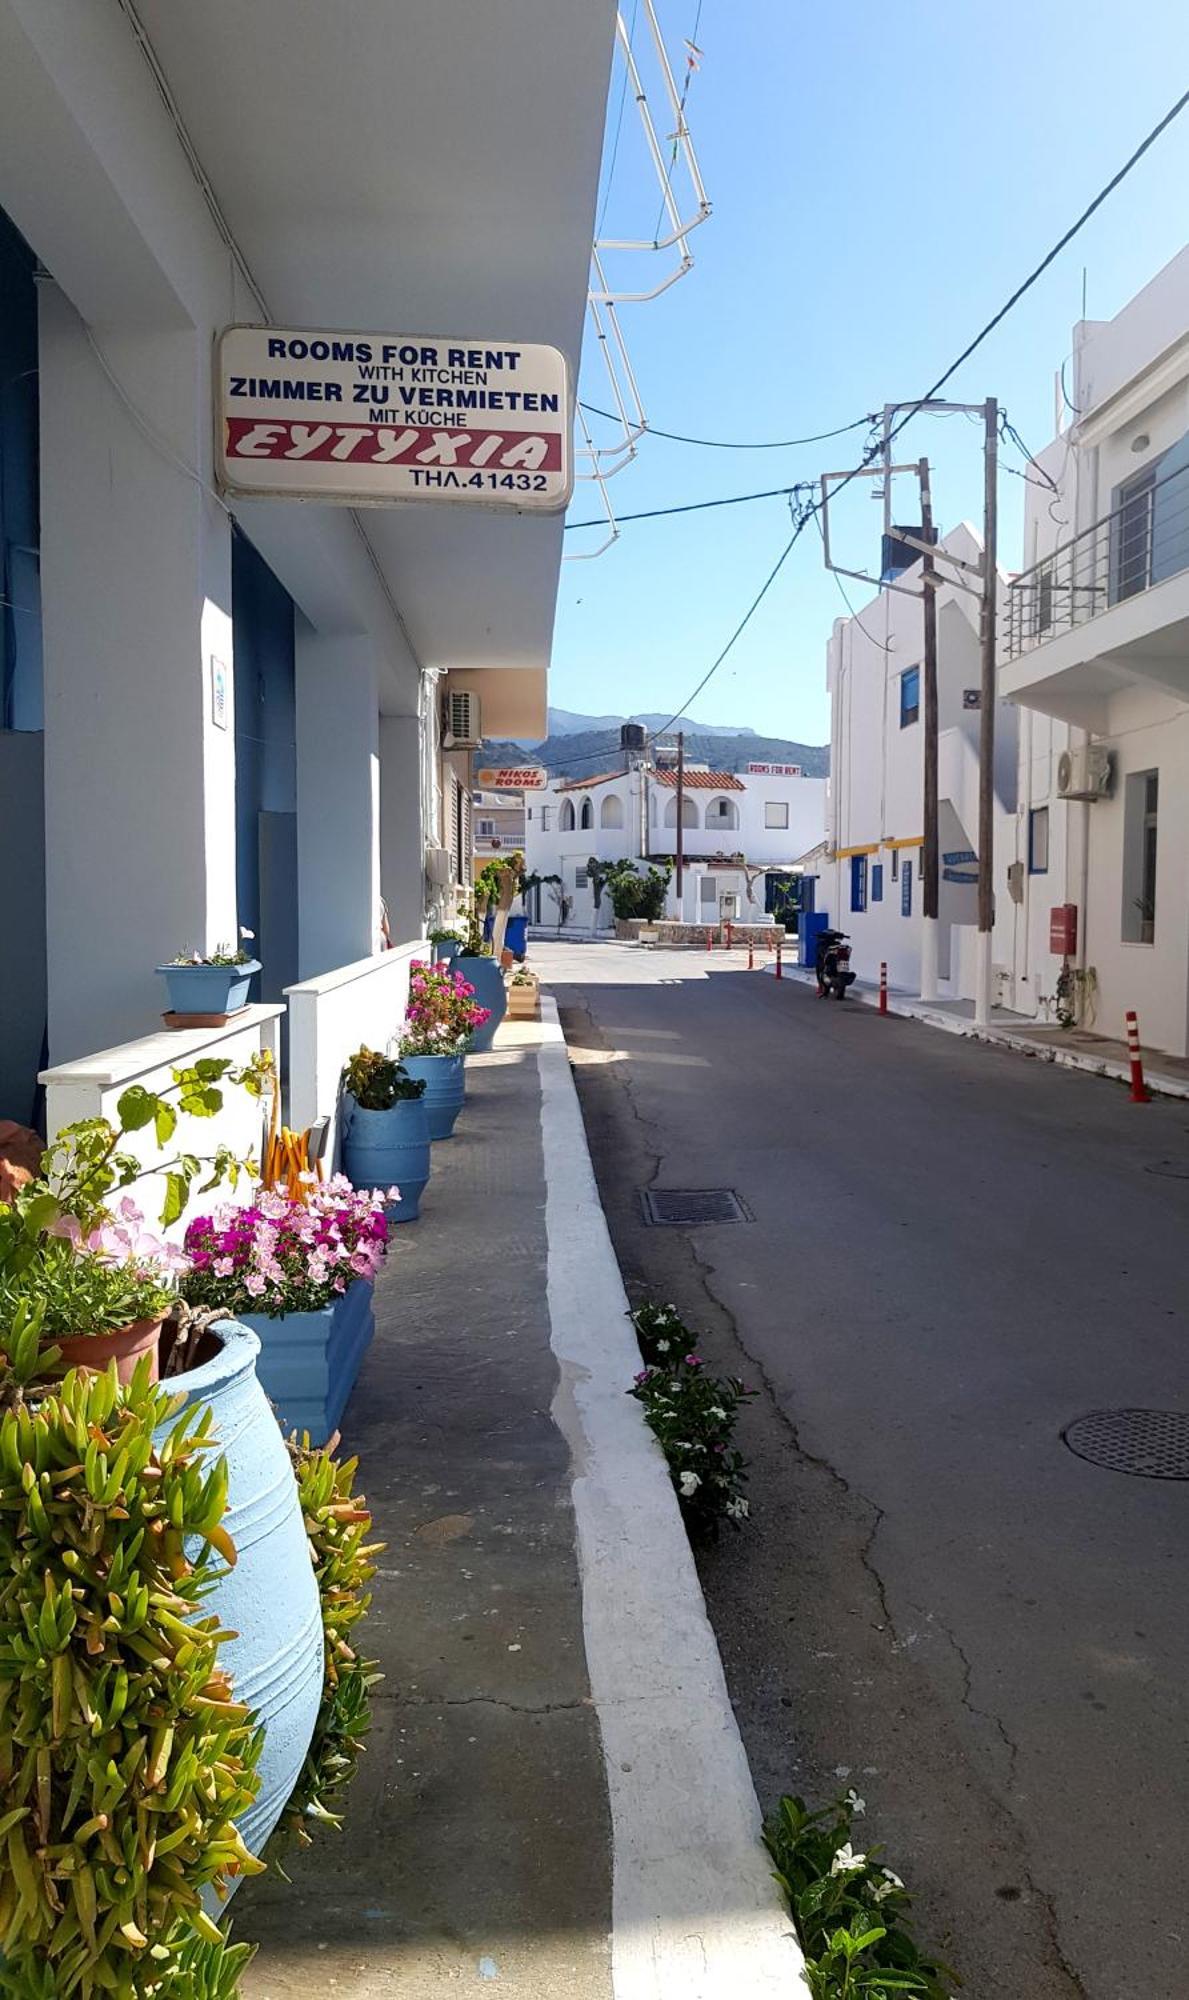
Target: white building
<point>738,829</point>
<point>871,885</point>
<point>218,712</point>
<point>1095,649</point>
<point>497,822</point>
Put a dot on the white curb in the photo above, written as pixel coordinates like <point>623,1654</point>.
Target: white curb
<point>695,1912</point>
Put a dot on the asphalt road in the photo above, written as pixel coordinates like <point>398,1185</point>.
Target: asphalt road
<point>955,1252</point>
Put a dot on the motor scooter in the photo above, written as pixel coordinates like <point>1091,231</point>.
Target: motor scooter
<point>832,965</point>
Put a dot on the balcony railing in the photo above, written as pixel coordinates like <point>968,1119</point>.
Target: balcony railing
<point>1144,542</point>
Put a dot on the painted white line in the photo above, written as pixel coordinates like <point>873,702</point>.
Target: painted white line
<point>695,1913</point>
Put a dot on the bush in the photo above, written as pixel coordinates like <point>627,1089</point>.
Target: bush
<point>125,1758</point>
<point>692,1415</point>
<point>850,1913</point>
<point>377,1082</point>
<point>641,896</point>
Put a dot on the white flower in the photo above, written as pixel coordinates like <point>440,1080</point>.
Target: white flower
<point>891,1878</point>
<point>857,1805</point>
<point>245,932</point>
<point>880,1890</point>
<point>689,1485</point>
<point>846,1861</point>
<point>663,1346</point>
<point>738,1510</point>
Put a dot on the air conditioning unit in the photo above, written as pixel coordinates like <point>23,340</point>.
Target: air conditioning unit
<point>1084,773</point>
<point>461,726</point>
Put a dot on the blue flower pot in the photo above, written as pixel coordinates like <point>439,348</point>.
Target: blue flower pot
<point>488,981</point>
<point>445,1087</point>
<point>208,989</point>
<point>446,952</point>
<point>270,1599</point>
<point>309,1360</point>
<point>386,1148</point>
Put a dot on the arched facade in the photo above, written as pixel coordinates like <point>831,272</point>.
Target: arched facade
<point>722,814</point>
<point>611,810</point>
<point>689,811</point>
<point>565,818</point>
<point>586,816</point>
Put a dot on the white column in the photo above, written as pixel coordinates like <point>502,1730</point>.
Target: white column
<point>929,957</point>
<point>402,836</point>
<point>136,594</point>
<point>338,802</point>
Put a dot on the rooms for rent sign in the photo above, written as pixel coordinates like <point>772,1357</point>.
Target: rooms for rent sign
<point>364,419</point>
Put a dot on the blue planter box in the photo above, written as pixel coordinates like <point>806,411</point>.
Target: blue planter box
<point>208,989</point>
<point>309,1360</point>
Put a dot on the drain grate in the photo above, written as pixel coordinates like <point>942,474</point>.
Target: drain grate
<point>1147,1444</point>
<point>689,1208</point>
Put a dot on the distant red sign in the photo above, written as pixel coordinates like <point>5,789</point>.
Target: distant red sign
<point>513,778</point>
<point>774,770</point>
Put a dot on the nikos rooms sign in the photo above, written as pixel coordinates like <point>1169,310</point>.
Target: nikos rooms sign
<point>362,419</point>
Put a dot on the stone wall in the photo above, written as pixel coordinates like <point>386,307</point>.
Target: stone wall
<point>763,936</point>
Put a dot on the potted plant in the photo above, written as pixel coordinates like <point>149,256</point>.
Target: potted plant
<point>299,1271</point>
<point>443,1020</point>
<point>447,942</point>
<point>385,1129</point>
<point>205,988</point>
<point>524,996</point>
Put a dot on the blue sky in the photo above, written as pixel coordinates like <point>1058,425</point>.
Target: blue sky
<point>882,178</point>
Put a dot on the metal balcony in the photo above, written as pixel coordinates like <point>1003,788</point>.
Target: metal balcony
<point>1143,543</point>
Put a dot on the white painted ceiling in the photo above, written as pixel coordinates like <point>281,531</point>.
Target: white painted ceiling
<point>419,166</point>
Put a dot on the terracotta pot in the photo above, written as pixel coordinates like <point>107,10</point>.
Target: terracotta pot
<point>125,1346</point>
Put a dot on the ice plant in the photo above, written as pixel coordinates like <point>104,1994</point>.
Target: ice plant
<point>442,1012</point>
<point>279,1255</point>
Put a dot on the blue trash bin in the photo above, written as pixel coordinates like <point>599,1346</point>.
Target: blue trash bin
<point>516,936</point>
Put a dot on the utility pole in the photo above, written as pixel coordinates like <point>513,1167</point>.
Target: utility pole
<point>930,858</point>
<point>680,805</point>
<point>986,734</point>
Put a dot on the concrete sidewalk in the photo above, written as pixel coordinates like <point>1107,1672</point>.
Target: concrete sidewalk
<point>1071,1048</point>
<point>555,1797</point>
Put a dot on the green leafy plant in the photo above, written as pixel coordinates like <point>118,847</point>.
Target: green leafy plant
<point>125,1759</point>
<point>377,1082</point>
<point>636,895</point>
<point>523,977</point>
<point>850,1912</point>
<point>447,935</point>
<point>692,1414</point>
<point>223,954</point>
<point>337,1522</point>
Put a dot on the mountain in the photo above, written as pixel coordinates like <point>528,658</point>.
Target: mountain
<point>577,751</point>
<point>565,722</point>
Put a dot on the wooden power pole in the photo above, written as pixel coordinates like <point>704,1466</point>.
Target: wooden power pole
<point>930,857</point>
<point>986,734</point>
<point>680,806</point>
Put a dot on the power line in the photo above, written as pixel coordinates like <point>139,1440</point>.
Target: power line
<point>623,92</point>
<point>731,444</point>
<point>689,507</point>
<point>811,509</point>
<point>691,66</point>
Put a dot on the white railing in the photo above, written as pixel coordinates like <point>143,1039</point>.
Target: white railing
<point>333,1015</point>
<point>91,1087</point>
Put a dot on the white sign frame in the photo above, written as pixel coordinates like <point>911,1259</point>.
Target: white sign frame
<point>283,428</point>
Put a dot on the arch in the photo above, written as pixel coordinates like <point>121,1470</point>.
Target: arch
<point>611,810</point>
<point>565,819</point>
<point>689,811</point>
<point>722,814</point>
<point>586,816</point>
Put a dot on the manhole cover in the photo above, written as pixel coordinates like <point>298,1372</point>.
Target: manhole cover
<point>1147,1444</point>
<point>1173,1170</point>
<point>688,1208</point>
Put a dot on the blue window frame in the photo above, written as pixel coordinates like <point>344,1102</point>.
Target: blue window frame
<point>877,882</point>
<point>906,889</point>
<point>1038,841</point>
<point>910,696</point>
<point>858,881</point>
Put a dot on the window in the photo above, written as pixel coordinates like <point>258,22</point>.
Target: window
<point>1044,598</point>
<point>776,813</point>
<point>708,891</point>
<point>546,817</point>
<point>906,890</point>
<point>566,822</point>
<point>1132,537</point>
<point>877,882</point>
<point>1038,841</point>
<point>1140,801</point>
<point>895,864</point>
<point>910,696</point>
<point>485,828</point>
<point>586,817</point>
<point>858,881</point>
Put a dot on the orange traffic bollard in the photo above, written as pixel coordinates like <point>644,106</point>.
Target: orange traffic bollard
<point>729,941</point>
<point>779,971</point>
<point>883,985</point>
<point>710,940</point>
<point>1140,1094</point>
<point>751,955</point>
